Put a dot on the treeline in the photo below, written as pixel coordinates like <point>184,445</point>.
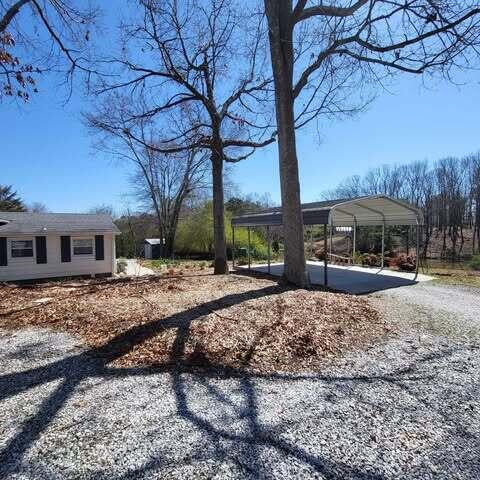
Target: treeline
<point>447,191</point>
<point>194,236</point>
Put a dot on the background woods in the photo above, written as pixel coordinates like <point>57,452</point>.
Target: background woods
<point>447,191</point>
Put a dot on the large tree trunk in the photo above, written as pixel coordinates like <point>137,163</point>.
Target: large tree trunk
<point>220,243</point>
<point>168,246</point>
<point>279,13</point>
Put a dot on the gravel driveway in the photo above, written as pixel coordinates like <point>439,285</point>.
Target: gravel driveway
<point>407,408</point>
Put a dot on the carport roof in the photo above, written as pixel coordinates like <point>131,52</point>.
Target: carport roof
<point>369,210</point>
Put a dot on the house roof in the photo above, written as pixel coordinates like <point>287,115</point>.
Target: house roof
<point>368,210</point>
<point>44,223</point>
<point>152,241</point>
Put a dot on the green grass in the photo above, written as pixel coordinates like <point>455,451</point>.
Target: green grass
<point>457,279</point>
<point>448,273</point>
<point>165,263</point>
<point>474,263</point>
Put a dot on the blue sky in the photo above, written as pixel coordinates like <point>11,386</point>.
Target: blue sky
<point>47,154</point>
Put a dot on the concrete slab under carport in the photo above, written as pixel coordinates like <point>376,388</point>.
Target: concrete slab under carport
<point>353,279</point>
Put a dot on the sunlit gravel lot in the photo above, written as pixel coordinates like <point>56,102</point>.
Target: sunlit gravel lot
<point>408,407</point>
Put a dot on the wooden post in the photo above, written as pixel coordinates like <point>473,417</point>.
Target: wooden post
<point>269,247</point>
<point>325,261</point>
<point>249,260</point>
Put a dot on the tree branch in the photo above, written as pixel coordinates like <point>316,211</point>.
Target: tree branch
<point>326,10</point>
<point>10,14</point>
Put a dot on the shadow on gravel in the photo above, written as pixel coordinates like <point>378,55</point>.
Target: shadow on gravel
<point>94,363</point>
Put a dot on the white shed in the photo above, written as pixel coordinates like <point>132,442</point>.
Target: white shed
<point>48,245</point>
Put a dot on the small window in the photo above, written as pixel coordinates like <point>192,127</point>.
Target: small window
<point>83,246</point>
<point>22,248</point>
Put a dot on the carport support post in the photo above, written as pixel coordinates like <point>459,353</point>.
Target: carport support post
<point>383,243</point>
<point>269,246</point>
<point>354,247</point>
<point>331,239</point>
<point>325,261</point>
<point>233,246</point>
<point>417,250</point>
<point>249,260</point>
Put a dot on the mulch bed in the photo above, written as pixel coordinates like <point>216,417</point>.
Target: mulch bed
<point>227,321</point>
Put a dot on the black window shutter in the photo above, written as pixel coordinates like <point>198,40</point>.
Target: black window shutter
<point>65,245</point>
<point>99,248</point>
<point>3,252</point>
<point>41,247</point>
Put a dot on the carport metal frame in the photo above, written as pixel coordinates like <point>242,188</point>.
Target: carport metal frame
<point>322,213</point>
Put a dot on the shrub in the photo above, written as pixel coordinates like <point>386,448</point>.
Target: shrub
<point>275,247</point>
<point>474,263</point>
<point>242,261</point>
<point>390,262</point>
<point>407,263</point>
<point>257,252</point>
<point>358,258</point>
<point>370,259</point>
<point>320,253</point>
<point>162,262</point>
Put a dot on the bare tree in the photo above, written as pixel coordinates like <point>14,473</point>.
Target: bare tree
<point>447,191</point>
<point>472,164</point>
<point>199,64</point>
<point>103,209</point>
<point>37,207</point>
<point>57,38</point>
<point>163,181</point>
<point>379,37</point>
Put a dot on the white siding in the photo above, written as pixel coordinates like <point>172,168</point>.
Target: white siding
<point>148,251</point>
<point>27,268</point>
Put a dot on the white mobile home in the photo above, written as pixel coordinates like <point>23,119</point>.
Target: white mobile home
<point>48,245</point>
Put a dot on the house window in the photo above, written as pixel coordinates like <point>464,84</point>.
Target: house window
<point>83,246</point>
<point>22,248</point>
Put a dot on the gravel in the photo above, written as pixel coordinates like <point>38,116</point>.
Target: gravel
<point>406,408</point>
<point>444,309</point>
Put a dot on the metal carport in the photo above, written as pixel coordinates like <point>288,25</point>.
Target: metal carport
<point>374,210</point>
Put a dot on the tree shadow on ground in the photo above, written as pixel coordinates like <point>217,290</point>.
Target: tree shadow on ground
<point>69,372</point>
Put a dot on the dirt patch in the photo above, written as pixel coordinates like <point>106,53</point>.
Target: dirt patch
<point>200,319</point>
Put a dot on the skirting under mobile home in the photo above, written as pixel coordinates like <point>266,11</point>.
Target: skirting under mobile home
<point>49,245</point>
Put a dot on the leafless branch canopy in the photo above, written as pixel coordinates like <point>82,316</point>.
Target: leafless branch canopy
<point>162,182</point>
<point>202,67</point>
<point>57,38</point>
<point>344,47</point>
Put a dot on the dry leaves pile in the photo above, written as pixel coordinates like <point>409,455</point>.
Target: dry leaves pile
<point>204,320</point>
